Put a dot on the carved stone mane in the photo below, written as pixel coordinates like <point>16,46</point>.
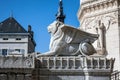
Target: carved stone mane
<point>66,41</point>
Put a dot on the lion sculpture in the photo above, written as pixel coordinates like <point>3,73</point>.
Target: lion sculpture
<point>69,41</point>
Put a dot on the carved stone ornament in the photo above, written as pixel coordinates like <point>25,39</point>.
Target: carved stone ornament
<point>69,41</point>
<point>28,62</point>
<point>93,22</point>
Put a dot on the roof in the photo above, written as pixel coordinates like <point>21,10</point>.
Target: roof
<point>10,25</point>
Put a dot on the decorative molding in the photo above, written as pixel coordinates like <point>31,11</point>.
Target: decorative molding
<point>108,19</point>
<point>16,62</point>
<point>99,14</point>
<point>94,6</point>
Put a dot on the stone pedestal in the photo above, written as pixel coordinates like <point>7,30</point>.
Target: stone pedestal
<point>16,68</point>
<point>60,68</point>
<point>98,68</point>
<point>97,74</point>
<point>77,68</point>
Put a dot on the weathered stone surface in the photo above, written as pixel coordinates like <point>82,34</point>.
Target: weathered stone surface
<point>91,15</point>
<point>17,68</point>
<point>78,68</point>
<point>16,62</point>
<point>19,77</point>
<point>3,77</point>
<point>60,68</point>
<point>76,63</point>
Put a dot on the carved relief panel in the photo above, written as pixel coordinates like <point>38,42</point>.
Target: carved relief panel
<point>100,25</point>
<point>92,22</point>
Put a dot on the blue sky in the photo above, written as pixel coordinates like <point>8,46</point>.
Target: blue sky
<point>39,14</point>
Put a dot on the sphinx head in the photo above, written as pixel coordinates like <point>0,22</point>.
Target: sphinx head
<point>53,27</point>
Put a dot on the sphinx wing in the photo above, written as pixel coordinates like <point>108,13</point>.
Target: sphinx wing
<point>74,35</point>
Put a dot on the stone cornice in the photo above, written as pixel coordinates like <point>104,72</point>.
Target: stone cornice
<point>14,33</point>
<point>97,14</point>
<point>94,5</point>
<point>91,1</point>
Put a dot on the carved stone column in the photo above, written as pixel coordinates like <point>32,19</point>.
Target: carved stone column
<point>28,77</point>
<point>3,77</point>
<point>100,70</point>
<point>11,76</point>
<point>20,77</point>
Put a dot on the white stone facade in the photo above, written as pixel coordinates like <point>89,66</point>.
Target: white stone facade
<point>14,44</point>
<point>95,12</point>
<point>14,39</point>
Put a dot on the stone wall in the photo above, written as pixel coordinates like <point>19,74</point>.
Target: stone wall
<point>77,68</point>
<point>55,68</point>
<point>16,68</point>
<point>15,74</point>
<point>16,62</point>
<point>106,12</point>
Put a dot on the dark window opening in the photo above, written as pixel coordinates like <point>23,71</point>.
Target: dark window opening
<point>18,38</point>
<point>5,38</point>
<point>4,51</point>
<point>17,50</point>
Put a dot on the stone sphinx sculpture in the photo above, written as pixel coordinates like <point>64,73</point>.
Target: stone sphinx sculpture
<point>69,41</point>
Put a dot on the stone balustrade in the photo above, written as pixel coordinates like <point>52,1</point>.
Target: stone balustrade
<point>14,76</point>
<point>76,63</point>
<point>16,62</point>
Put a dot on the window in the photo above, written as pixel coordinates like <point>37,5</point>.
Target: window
<point>22,51</point>
<point>5,38</point>
<point>18,38</point>
<point>11,51</point>
<point>18,50</point>
<point>4,51</point>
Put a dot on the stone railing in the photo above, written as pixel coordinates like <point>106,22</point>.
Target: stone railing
<point>16,62</point>
<point>115,75</point>
<point>76,63</point>
<point>14,76</point>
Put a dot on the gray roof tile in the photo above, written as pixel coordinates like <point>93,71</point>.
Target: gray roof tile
<point>10,25</point>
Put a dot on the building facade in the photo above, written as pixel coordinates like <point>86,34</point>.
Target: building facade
<point>14,39</point>
<point>102,17</point>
